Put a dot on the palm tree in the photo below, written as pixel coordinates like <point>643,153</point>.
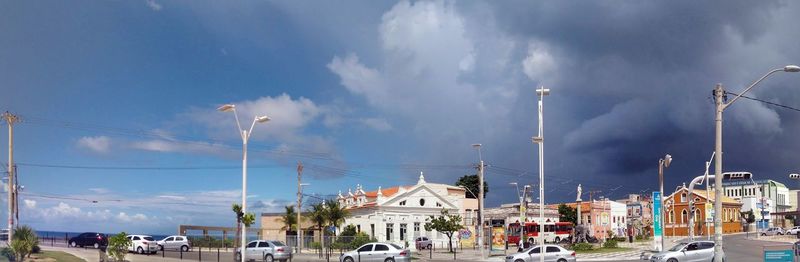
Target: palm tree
<point>335,213</point>
<point>289,219</point>
<point>238,210</point>
<point>317,215</point>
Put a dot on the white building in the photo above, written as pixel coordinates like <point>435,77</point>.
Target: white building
<point>773,194</point>
<point>398,214</point>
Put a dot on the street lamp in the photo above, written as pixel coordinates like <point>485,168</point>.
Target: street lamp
<point>721,105</point>
<point>480,199</point>
<point>541,92</point>
<point>662,163</point>
<point>245,134</point>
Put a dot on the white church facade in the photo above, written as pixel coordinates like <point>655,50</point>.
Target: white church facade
<point>398,214</point>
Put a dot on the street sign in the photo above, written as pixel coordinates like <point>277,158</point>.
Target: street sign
<point>778,255</point>
<point>657,213</point>
<point>709,212</point>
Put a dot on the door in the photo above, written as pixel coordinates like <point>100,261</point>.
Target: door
<point>169,243</point>
<point>706,252</point>
<point>691,252</point>
<point>533,255</point>
<point>380,253</point>
<point>134,242</point>
<point>263,249</point>
<point>364,252</point>
<point>551,253</point>
<point>251,250</point>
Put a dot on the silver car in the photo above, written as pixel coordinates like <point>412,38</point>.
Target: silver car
<point>553,253</point>
<point>423,243</point>
<point>687,251</point>
<point>175,243</point>
<point>377,252</point>
<point>265,250</point>
<point>772,231</point>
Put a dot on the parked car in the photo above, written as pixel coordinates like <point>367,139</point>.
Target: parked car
<point>265,250</point>
<point>384,252</point>
<point>793,231</point>
<point>89,239</point>
<point>687,251</point>
<point>423,243</point>
<point>772,231</point>
<point>142,244</point>
<point>174,243</point>
<point>553,253</point>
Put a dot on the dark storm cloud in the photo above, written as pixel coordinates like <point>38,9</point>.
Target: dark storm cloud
<point>636,79</point>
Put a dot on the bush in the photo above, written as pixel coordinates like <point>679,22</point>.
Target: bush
<point>620,239</point>
<point>316,245</point>
<point>582,247</point>
<point>36,249</point>
<point>611,243</point>
<point>23,242</point>
<point>118,246</point>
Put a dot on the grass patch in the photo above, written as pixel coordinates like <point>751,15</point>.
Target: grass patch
<point>604,250</point>
<point>54,256</point>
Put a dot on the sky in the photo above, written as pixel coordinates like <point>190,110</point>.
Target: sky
<point>119,129</point>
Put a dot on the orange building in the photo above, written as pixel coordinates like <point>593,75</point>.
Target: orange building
<point>676,211</point>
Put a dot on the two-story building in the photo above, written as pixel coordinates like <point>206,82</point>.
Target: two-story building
<point>677,211</point>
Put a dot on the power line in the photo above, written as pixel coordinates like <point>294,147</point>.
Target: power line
<point>143,167</point>
<point>766,102</point>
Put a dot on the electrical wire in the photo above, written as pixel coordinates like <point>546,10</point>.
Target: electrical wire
<point>766,102</point>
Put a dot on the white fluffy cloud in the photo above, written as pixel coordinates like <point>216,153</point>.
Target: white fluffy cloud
<point>153,5</point>
<point>539,64</point>
<point>30,203</point>
<point>379,124</point>
<point>98,144</point>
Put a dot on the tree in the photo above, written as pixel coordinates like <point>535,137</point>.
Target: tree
<point>118,246</point>
<point>23,241</point>
<point>749,216</point>
<point>471,183</point>
<point>237,209</point>
<point>444,223</point>
<point>335,213</point>
<point>316,214</point>
<point>567,214</point>
<point>289,219</point>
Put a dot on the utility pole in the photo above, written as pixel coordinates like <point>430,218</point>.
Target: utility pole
<point>541,92</point>
<point>299,206</point>
<point>480,201</point>
<point>10,119</point>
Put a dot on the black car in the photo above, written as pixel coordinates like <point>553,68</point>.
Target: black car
<point>92,239</point>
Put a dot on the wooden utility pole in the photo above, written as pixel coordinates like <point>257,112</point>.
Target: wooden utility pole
<point>299,205</point>
<point>10,119</point>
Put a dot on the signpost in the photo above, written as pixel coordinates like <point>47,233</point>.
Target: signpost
<point>657,221</point>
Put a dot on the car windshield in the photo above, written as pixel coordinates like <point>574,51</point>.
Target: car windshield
<point>396,246</point>
<point>678,247</point>
<point>149,238</point>
<point>278,243</point>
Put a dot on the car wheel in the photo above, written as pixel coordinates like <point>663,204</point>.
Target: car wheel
<point>185,248</point>
<point>672,260</point>
<point>389,260</point>
<point>558,239</point>
<point>780,234</point>
<point>562,260</point>
<point>73,244</point>
<point>348,259</point>
<point>96,245</point>
<point>140,250</point>
<point>238,257</point>
<point>763,234</point>
<point>519,260</point>
<point>429,246</point>
<point>268,258</point>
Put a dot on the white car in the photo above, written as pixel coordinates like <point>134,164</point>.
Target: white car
<point>265,250</point>
<point>687,251</point>
<point>174,243</point>
<point>772,231</point>
<point>793,231</point>
<point>142,244</point>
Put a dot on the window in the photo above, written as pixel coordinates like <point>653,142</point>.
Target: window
<point>552,249</point>
<point>252,244</point>
<point>169,239</point>
<point>684,216</point>
<point>403,203</point>
<point>372,230</point>
<point>422,202</point>
<point>136,238</point>
<point>263,244</point>
<point>277,243</point>
<point>365,248</point>
<point>389,231</point>
<point>358,228</point>
<point>534,251</point>
<point>438,204</point>
<point>416,228</point>
<point>403,229</point>
<point>705,245</point>
<point>380,247</point>
<point>691,247</point>
<point>683,197</point>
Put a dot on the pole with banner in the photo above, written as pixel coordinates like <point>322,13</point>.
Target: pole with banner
<point>657,222</point>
